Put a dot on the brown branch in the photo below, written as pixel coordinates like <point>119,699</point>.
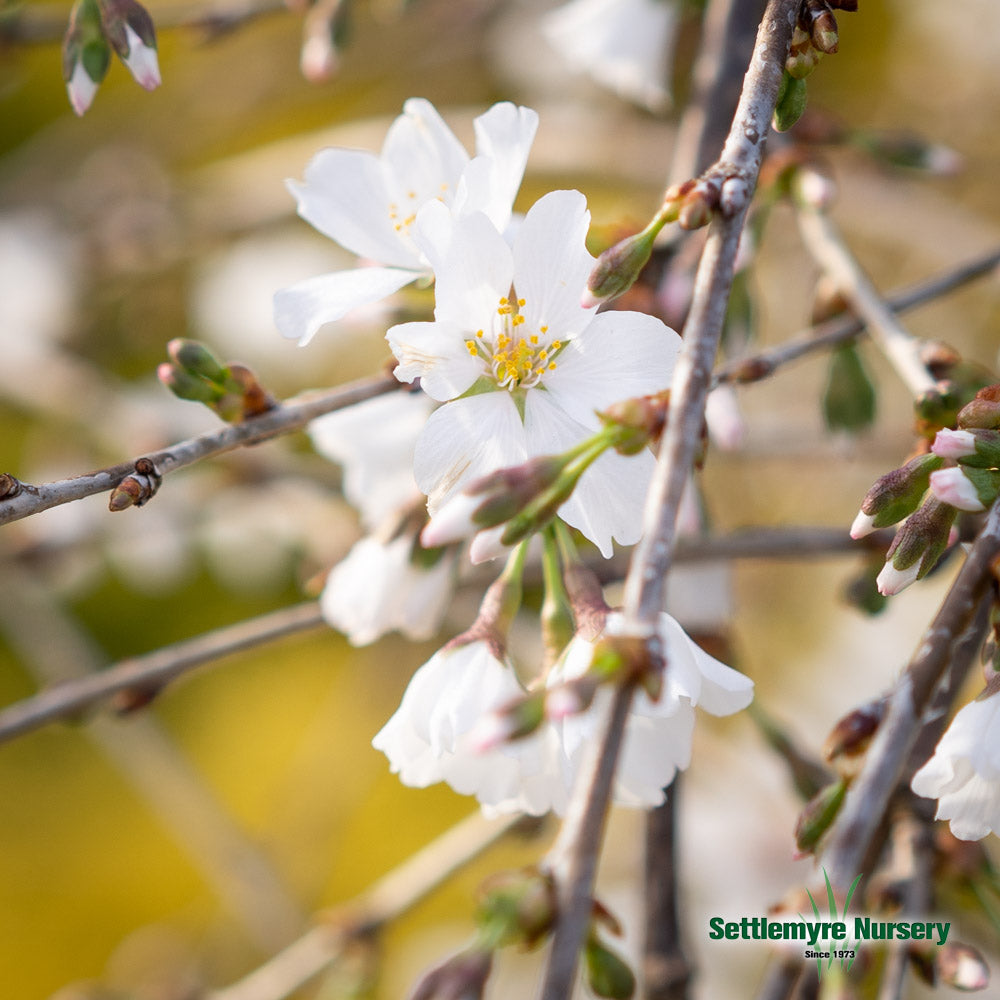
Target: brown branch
<point>575,855</point>
<point>144,675</point>
<point>827,246</point>
<point>390,897</point>
<point>954,635</point>
<point>842,329</point>
<point>23,499</point>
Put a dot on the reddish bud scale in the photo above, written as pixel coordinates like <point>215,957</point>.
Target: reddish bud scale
<point>983,410</point>
<point>850,737</point>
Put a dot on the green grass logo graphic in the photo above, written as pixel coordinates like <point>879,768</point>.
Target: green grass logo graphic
<point>845,963</point>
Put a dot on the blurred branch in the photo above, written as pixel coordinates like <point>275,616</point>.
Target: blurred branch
<point>953,637</point>
<point>844,328</point>
<point>42,24</point>
<point>148,673</point>
<point>390,897</point>
<point>827,246</point>
<point>54,648</point>
<point>573,858</point>
<point>18,500</point>
<point>145,675</point>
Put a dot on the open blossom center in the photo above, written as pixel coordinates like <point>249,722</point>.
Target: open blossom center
<point>514,357</point>
<point>403,211</point>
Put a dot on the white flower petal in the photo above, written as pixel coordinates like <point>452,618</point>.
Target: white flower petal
<point>472,265</point>
<point>301,309</point>
<point>607,502</point>
<point>436,354</point>
<point>346,196</point>
<point>465,439</point>
<point>503,139</point>
<point>374,441</point>
<point>552,264</point>
<point>619,355</point>
<point>423,158</point>
<point>81,89</point>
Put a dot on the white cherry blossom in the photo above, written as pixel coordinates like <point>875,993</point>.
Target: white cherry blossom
<point>430,737</point>
<point>523,365</point>
<point>658,733</point>
<point>368,204</point>
<point>964,772</point>
<point>625,45</point>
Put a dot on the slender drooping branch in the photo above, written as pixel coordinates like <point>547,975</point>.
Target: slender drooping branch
<point>956,630</point>
<point>151,671</point>
<point>825,243</point>
<point>145,675</point>
<point>18,499</point>
<point>843,329</point>
<point>390,897</point>
<point>574,857</point>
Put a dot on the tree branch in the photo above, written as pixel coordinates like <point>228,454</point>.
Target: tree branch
<point>842,329</point>
<point>18,500</point>
<point>580,839</point>
<point>954,635</point>
<point>390,897</point>
<point>827,246</point>
<point>140,674</point>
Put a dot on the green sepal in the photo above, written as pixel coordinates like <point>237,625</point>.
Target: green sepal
<point>791,103</point>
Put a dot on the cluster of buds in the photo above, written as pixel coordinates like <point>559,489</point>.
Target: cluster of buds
<point>232,391</point>
<point>95,28</point>
<point>525,498</point>
<point>814,36</point>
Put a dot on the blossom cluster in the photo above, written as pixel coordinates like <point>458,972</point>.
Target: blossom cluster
<point>516,364</point>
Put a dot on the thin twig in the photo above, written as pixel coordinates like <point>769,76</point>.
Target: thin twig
<point>53,647</point>
<point>575,855</point>
<point>842,329</point>
<point>151,672</point>
<point>25,499</point>
<point>390,897</point>
<point>827,246</point>
<point>957,628</point>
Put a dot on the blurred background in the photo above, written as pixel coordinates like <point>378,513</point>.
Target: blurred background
<point>165,214</point>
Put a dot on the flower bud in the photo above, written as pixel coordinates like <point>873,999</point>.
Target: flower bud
<point>513,721</point>
<point>966,488</point>
<point>983,410</point>
<point>803,57</point>
<point>618,267</point>
<point>516,907</point>
<point>129,29</point>
<point>461,977</point>
<point>85,54</point>
<point>961,967</point>
<point>196,359</point>
<point>792,98</point>
<point>818,815</point>
<point>571,697</point>
<point>136,488</point>
<point>849,739</point>
<point>608,975</point>
<point>895,495</point>
<point>917,546</point>
<point>644,416</point>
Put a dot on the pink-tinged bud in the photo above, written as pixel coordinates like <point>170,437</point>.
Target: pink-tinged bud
<point>956,486</point>
<point>895,495</point>
<point>814,189</point>
<point>452,522</point>
<point>962,967</point>
<point>917,546</point>
<point>463,975</point>
<point>864,524</point>
<point>318,60</point>
<point>571,698</point>
<point>141,61</point>
<point>891,580</point>
<point>954,444</point>
<point>487,545</point>
<point>81,89</point>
